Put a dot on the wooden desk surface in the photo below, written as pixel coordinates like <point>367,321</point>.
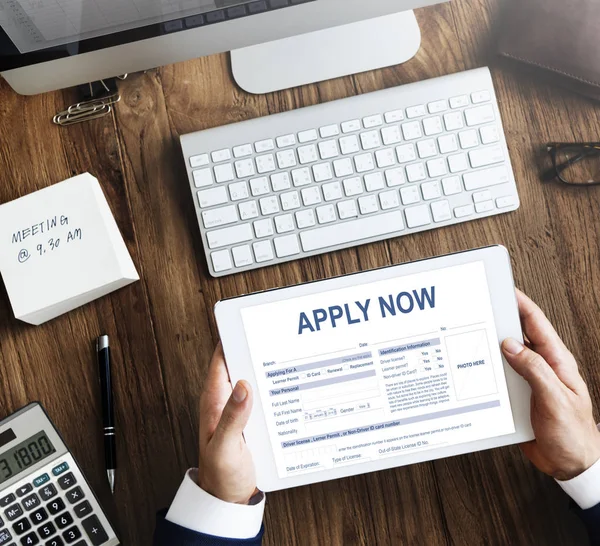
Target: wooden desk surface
<point>162,328</point>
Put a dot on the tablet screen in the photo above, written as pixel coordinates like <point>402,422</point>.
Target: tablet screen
<point>379,369</point>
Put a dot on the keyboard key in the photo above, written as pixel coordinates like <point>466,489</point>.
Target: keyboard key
<point>259,186</point>
<point>311,196</point>
<point>489,134</point>
<point>269,205</point>
<point>486,178</point>
<point>427,148</point>
<point>308,154</point>
<point>459,102</point>
<point>415,111</point>
<point>437,167</point>
<point>209,198</point>
<point>30,540</point>
<point>46,530</point>
<point>305,218</point>
<point>263,228</point>
<point>349,145</point>
<point>5,536</point>
<point>410,195</point>
<point>6,500</point>
<point>308,136</point>
<point>352,187</point>
<point>22,491</point>
<point>453,121</point>
<point>412,130</point>
<point>417,216</point>
<point>286,140</point>
<point>374,182</point>
<point>486,206</point>
<point>248,210</point>
<point>242,257</point>
<point>486,157</point>
<point>370,140</point>
<point>505,202</point>
<point>322,172</point>
<point>203,178</point>
<point>63,520</point>
<point>328,149</point>
<point>385,158</point>
<point>41,480</point>
<point>301,177</point>
<point>372,121</point>
<point>343,167</point>
<point>195,162</point>
<point>224,173</point>
<point>431,191</point>
<point>263,251</point>
<point>55,506</point>
<point>462,212</point>
<point>284,223</point>
<point>416,172</point>
<point>326,214</point>
<point>57,541</point>
<point>481,96</point>
<point>329,131</point>
<point>391,135</point>
<point>448,144</point>
<point>433,126</point>
<point>347,209</point>
<point>264,146</point>
<point>242,151</point>
<point>332,191</point>
<point>394,177</point>
<point>352,231</point>
<point>238,191</point>
<point>13,512</point>
<point>221,260</point>
<point>389,200</point>
<point>368,204</point>
<point>290,200</point>
<point>458,163</point>
<point>286,159</point>
<point>351,126</point>
<point>281,182</point>
<point>94,530</point>
<point>21,526</point>
<point>265,163</point>
<point>219,217</point>
<point>364,163</point>
<point>480,115</point>
<point>286,246</point>
<point>221,155</point>
<point>480,197</point>
<point>72,534</point>
<point>468,139</point>
<point>394,116</point>
<point>244,168</point>
<point>38,516</point>
<point>437,106</point>
<point>406,153</point>
<point>441,211</point>
<point>229,236</point>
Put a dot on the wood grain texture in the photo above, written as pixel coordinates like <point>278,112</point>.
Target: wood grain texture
<point>163,331</point>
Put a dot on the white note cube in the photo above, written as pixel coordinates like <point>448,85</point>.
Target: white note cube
<point>60,248</point>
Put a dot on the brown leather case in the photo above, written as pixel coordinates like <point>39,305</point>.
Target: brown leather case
<point>560,37</point>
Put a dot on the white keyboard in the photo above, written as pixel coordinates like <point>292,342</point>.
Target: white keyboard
<point>349,172</point>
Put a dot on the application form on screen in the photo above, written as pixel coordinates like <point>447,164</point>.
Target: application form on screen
<point>378,370</point>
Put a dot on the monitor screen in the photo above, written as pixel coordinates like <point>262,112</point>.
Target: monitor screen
<point>33,31</point>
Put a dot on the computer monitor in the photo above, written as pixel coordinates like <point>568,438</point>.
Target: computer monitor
<point>53,44</point>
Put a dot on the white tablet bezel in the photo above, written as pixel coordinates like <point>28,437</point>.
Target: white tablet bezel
<point>504,303</point>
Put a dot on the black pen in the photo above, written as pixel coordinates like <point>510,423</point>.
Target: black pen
<point>108,415</point>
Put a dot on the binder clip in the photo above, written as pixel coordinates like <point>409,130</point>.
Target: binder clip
<point>97,100</point>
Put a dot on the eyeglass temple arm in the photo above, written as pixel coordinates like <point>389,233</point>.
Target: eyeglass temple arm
<point>552,173</point>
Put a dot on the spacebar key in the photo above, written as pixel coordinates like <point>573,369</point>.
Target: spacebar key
<point>350,232</point>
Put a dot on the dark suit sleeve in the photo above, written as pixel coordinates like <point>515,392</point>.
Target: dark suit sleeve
<point>591,519</point>
<point>169,534</point>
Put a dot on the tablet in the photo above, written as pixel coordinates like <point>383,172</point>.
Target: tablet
<point>378,369</point>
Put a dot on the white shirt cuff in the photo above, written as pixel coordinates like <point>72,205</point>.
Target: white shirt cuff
<point>585,488</point>
<point>197,510</point>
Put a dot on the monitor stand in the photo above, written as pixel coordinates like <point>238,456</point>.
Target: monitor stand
<point>327,54</point>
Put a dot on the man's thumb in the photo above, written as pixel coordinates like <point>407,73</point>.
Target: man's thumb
<point>531,366</point>
<point>236,413</point>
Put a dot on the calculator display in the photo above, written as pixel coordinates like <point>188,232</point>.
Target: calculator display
<point>26,454</point>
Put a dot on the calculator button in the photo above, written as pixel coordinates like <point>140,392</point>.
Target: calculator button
<point>30,539</point>
<point>94,530</point>
<point>46,530</point>
<point>41,480</point>
<point>75,495</point>
<point>13,512</point>
<point>47,492</point>
<point>38,516</point>
<point>21,526</point>
<point>31,502</point>
<point>63,520</point>
<point>71,535</point>
<point>83,509</point>
<point>56,541</point>
<point>5,536</point>
<point>5,501</point>
<point>58,470</point>
<point>56,506</point>
<point>24,490</point>
<point>68,480</point>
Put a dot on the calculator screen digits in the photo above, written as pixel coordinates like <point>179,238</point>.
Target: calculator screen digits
<point>26,454</point>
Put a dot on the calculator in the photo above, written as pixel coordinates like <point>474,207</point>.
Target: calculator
<point>44,497</point>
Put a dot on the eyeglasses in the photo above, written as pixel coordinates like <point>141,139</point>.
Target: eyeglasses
<point>574,164</point>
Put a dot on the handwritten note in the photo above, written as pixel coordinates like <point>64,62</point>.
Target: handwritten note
<point>60,248</point>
